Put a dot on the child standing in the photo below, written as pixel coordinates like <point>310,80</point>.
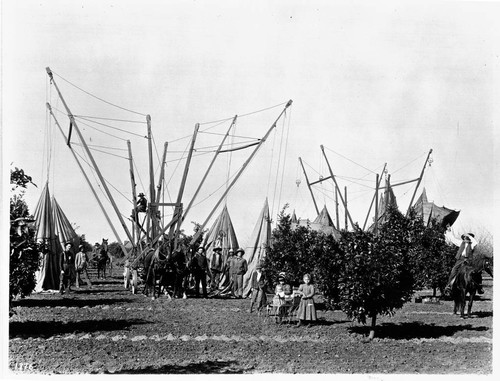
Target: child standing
<point>307,310</point>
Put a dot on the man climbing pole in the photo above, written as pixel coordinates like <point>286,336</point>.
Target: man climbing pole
<point>466,246</point>
<point>141,205</point>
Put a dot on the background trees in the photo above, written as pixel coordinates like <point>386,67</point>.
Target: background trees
<point>24,251</point>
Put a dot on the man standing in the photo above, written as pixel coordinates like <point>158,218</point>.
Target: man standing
<point>240,267</point>
<point>67,268</point>
<point>216,268</point>
<point>465,253</point>
<point>141,205</point>
<point>81,267</point>
<point>199,267</point>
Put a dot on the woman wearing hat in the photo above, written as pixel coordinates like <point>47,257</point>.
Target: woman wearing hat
<point>466,246</point>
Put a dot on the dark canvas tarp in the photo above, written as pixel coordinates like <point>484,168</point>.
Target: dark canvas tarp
<point>255,249</point>
<point>48,276</point>
<point>387,200</point>
<point>429,211</point>
<point>52,227</point>
<point>221,234</point>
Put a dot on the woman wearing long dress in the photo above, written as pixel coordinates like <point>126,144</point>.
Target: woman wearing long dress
<point>307,309</point>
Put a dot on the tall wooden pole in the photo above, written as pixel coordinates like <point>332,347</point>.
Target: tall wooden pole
<point>135,223</point>
<point>162,175</point>
<point>419,180</point>
<point>309,186</point>
<point>337,208</point>
<point>377,182</point>
<point>195,237</point>
<point>209,168</point>
<point>337,187</point>
<point>89,154</point>
<point>178,208</point>
<point>345,215</point>
<point>89,184</point>
<point>373,198</point>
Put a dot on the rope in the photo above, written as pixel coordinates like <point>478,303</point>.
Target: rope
<point>211,194</point>
<point>103,132</point>
<point>139,175</point>
<point>96,97</point>
<point>243,115</point>
<point>404,166</point>
<point>277,169</point>
<point>229,163</point>
<point>285,155</point>
<point>352,161</point>
<point>112,119</point>
<point>109,153</point>
<point>178,161</point>
<point>114,128</point>
<point>233,136</point>
<point>115,148</point>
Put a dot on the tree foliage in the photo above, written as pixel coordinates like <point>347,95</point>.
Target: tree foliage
<point>24,250</point>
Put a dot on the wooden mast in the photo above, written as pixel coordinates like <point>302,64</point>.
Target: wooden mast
<point>195,237</point>
<point>309,186</point>
<point>337,187</point>
<point>419,180</point>
<point>162,175</point>
<point>377,182</point>
<point>135,216</point>
<point>89,154</point>
<point>209,168</point>
<point>373,198</point>
<point>89,183</point>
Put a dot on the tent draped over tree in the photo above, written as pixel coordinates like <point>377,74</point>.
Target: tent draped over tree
<point>255,250</point>
<point>387,201</point>
<point>53,228</point>
<point>429,211</point>
<point>221,234</point>
<point>323,223</point>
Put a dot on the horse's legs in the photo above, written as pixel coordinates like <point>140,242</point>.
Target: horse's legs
<point>462,303</point>
<point>471,300</point>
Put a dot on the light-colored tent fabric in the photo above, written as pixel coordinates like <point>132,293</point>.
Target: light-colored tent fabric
<point>255,249</point>
<point>221,234</point>
<point>323,223</point>
<point>64,230</point>
<point>429,211</point>
<point>45,231</point>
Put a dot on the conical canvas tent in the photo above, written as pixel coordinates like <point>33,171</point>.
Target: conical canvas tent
<point>323,222</point>
<point>221,234</point>
<point>48,277</point>
<point>429,211</point>
<point>387,200</point>
<point>255,250</point>
<point>52,228</point>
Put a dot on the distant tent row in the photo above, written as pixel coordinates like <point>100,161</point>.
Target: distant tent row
<point>54,229</point>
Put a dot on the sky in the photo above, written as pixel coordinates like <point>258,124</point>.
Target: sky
<point>372,83</point>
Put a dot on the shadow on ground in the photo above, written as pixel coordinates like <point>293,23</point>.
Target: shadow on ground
<point>414,330</point>
<point>206,367</point>
<point>67,301</point>
<point>50,328</point>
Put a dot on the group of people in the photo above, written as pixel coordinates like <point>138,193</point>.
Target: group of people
<point>284,296</point>
<point>235,267</point>
<point>73,268</point>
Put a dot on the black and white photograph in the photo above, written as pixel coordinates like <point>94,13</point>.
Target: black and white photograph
<point>269,188</point>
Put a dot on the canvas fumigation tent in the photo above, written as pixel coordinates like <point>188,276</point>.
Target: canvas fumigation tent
<point>323,222</point>
<point>429,211</point>
<point>221,234</point>
<point>255,249</point>
<point>53,228</point>
<point>387,200</point>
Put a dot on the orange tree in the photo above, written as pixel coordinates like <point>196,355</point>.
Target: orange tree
<point>375,278</point>
<point>24,250</point>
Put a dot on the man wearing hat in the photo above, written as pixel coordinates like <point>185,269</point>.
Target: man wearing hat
<point>81,267</point>
<point>199,267</point>
<point>140,206</point>
<point>240,267</point>
<point>67,268</point>
<point>259,286</point>
<point>216,268</point>
<point>466,246</point>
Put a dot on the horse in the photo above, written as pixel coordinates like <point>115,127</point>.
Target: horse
<point>467,281</point>
<point>103,259</point>
<point>159,273</point>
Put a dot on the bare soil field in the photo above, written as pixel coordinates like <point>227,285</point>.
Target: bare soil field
<point>108,330</point>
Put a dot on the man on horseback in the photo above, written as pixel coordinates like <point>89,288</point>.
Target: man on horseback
<point>464,255</point>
